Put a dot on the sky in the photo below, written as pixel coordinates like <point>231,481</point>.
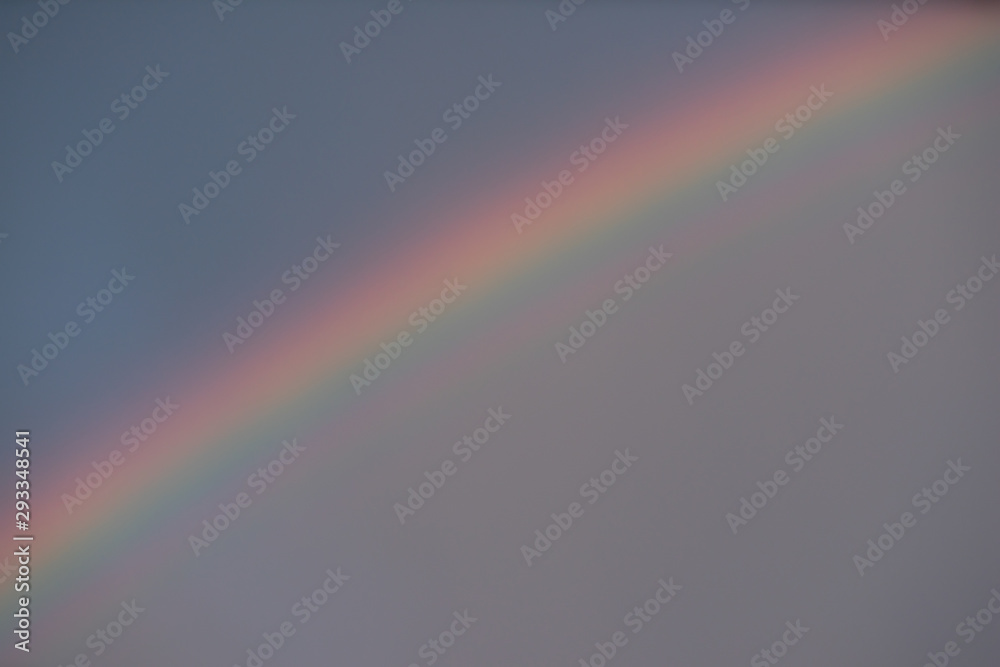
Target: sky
<point>594,230</point>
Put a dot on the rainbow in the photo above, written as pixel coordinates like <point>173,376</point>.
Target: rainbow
<point>300,374</point>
